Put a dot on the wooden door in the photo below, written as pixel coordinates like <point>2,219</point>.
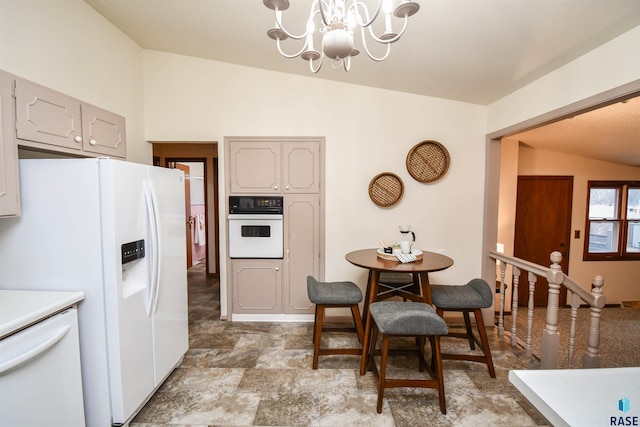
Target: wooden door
<point>165,154</point>
<point>187,209</point>
<point>542,225</point>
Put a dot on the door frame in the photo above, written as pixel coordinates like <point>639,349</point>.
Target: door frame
<point>165,152</point>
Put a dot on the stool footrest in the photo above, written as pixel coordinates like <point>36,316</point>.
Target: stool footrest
<point>328,351</point>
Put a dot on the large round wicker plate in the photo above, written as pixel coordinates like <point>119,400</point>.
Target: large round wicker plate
<point>385,189</point>
<point>428,161</point>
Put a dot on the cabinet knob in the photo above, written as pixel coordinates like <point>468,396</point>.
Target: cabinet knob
<point>277,268</point>
<point>275,187</point>
<point>287,187</point>
<point>78,138</point>
<point>93,141</point>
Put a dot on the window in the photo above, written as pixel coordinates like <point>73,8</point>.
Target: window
<point>613,221</point>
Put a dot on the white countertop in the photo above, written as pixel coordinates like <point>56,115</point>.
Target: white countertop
<point>19,309</point>
<point>581,397</point>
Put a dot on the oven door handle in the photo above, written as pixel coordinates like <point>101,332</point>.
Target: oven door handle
<point>260,217</point>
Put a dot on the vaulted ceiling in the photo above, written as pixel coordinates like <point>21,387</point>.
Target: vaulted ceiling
<point>473,51</point>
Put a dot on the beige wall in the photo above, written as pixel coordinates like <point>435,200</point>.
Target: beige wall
<point>614,65</point>
<point>67,46</point>
<point>620,277</point>
<point>367,131</point>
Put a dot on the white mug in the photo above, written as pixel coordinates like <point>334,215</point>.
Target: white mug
<point>405,246</point>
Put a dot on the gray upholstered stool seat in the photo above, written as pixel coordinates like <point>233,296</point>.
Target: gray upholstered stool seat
<point>407,318</point>
<point>334,294</point>
<point>472,297</point>
<point>412,319</point>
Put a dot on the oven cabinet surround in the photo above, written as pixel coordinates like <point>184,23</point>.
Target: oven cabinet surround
<point>272,167</point>
<point>9,188</point>
<point>293,168</point>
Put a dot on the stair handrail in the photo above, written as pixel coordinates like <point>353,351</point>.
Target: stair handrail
<point>556,278</point>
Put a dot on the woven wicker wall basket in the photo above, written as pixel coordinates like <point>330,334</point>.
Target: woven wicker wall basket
<point>386,189</point>
<point>428,161</point>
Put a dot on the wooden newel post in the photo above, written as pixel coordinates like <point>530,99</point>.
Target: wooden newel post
<point>550,335</point>
<point>591,357</point>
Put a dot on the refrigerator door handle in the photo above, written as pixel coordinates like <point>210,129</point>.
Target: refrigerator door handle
<point>158,247</point>
<point>35,351</point>
<point>153,236</point>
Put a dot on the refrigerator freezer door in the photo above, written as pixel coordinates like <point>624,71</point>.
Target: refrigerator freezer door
<point>170,316</point>
<point>127,286</point>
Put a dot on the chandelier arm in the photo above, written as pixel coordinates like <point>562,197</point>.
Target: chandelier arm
<point>295,55</point>
<point>315,70</point>
<point>369,54</point>
<point>369,20</point>
<point>293,36</point>
<point>393,39</point>
<point>321,7</point>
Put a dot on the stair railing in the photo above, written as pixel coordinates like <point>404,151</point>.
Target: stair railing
<point>549,354</point>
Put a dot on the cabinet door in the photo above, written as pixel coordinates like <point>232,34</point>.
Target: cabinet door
<point>103,132</point>
<point>46,116</point>
<point>255,167</point>
<point>257,286</point>
<point>302,250</point>
<point>301,167</point>
<point>9,188</point>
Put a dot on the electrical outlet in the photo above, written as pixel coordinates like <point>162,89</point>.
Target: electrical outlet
<point>576,234</point>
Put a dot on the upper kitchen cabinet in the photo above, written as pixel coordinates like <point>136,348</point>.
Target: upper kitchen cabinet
<point>254,167</point>
<point>273,166</point>
<point>301,167</point>
<point>52,121</point>
<point>9,188</point>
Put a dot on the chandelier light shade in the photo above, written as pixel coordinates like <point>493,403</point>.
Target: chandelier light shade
<point>337,22</point>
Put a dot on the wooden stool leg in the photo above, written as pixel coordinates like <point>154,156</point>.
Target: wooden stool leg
<point>317,334</point>
<point>485,342</point>
<point>421,358</point>
<point>357,320</point>
<point>435,343</point>
<point>467,324</point>
<point>371,351</point>
<point>383,370</point>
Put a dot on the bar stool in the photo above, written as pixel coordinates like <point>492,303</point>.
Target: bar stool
<point>329,295</point>
<point>408,319</point>
<point>472,297</point>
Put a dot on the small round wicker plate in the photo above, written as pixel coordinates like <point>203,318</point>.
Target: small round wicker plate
<point>386,189</point>
<point>428,161</point>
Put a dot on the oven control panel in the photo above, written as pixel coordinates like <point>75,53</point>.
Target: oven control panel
<point>255,205</point>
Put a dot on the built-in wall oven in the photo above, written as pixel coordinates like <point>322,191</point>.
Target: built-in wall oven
<point>255,227</point>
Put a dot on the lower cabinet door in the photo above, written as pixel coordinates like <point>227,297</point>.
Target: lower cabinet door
<point>302,250</point>
<point>257,286</point>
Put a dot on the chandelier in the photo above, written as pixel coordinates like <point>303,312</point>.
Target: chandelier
<point>338,22</point>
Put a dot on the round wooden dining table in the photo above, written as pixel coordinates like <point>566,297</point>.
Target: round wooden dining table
<point>370,259</point>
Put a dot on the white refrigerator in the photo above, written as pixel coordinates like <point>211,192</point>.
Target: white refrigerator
<point>114,230</point>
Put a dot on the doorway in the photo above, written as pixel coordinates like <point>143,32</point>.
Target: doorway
<point>542,225</point>
<point>202,219</point>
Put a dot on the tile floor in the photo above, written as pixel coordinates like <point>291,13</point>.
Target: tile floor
<point>259,374</point>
